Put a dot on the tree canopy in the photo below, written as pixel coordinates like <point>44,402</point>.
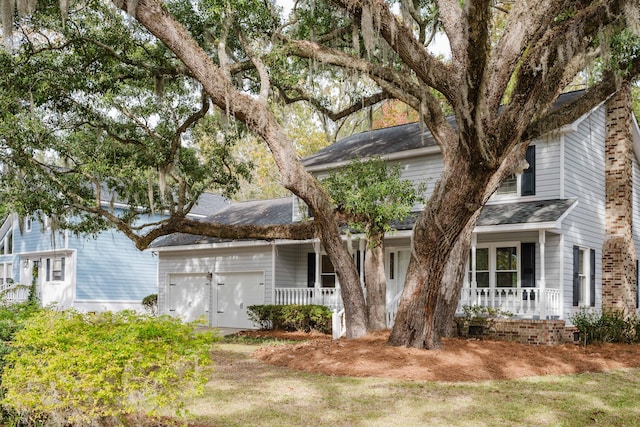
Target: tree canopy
<point>509,63</point>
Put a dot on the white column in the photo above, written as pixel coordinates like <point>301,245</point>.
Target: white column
<point>542,285</point>
<point>318,281</point>
<point>474,282</point>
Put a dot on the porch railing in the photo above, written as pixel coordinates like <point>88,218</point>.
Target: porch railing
<point>528,302</point>
<point>13,292</point>
<point>329,297</point>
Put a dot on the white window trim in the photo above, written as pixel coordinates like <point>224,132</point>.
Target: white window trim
<point>585,288</point>
<point>509,196</point>
<point>493,261</point>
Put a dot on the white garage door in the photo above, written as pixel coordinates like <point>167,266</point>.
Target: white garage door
<point>189,296</point>
<point>235,292</point>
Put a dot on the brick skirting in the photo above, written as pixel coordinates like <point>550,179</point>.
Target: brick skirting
<point>525,331</point>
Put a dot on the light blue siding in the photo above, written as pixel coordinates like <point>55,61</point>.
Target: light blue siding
<point>110,267</point>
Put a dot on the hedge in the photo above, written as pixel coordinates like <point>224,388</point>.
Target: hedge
<point>304,318</point>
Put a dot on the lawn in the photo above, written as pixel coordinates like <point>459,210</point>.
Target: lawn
<point>247,392</point>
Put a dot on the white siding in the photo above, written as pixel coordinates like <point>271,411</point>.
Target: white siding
<point>287,267</point>
<point>548,167</point>
<point>584,179</point>
<point>228,260</point>
<point>552,263</point>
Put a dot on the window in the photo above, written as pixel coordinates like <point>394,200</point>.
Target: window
<point>523,184</point>
<point>6,273</point>
<point>55,269</point>
<point>496,266</point>
<point>506,267</point>
<point>482,268</point>
<point>584,277</point>
<point>27,223</point>
<point>328,273</point>
<point>392,266</point>
<point>509,185</point>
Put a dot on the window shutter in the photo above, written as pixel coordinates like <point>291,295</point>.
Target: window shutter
<point>576,278</point>
<point>311,270</point>
<point>528,179</point>
<point>62,268</point>
<point>528,265</point>
<point>592,278</point>
<point>48,269</point>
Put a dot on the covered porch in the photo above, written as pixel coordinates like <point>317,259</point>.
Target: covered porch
<point>514,265</point>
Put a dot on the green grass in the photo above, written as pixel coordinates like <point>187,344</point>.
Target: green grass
<point>246,392</point>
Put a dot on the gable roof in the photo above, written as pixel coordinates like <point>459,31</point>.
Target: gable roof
<point>390,141</point>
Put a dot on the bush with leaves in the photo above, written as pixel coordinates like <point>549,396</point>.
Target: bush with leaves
<point>292,317</point>
<point>79,369</point>
<point>606,326</point>
<point>150,303</point>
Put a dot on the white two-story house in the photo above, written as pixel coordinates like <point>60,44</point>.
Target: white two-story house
<point>552,239</point>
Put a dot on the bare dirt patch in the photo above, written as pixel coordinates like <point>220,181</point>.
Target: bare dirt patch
<point>460,360</point>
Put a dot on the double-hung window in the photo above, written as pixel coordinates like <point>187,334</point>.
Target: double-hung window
<point>55,269</point>
<point>496,266</point>
<point>584,277</point>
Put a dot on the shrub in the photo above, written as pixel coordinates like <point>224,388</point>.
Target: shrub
<point>80,369</point>
<point>606,326</point>
<point>150,303</point>
<point>291,317</point>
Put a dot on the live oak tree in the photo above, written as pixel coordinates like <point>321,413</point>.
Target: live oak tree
<point>509,62</point>
<point>371,195</point>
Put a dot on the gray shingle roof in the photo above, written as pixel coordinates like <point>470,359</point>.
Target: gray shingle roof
<point>524,212</point>
<point>257,212</point>
<point>279,211</point>
<point>209,203</point>
<point>390,140</point>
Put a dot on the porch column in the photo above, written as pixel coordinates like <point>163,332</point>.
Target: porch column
<point>474,282</point>
<point>317,284</point>
<point>542,283</point>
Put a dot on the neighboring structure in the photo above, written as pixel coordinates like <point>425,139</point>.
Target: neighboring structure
<point>88,273</point>
<point>547,243</point>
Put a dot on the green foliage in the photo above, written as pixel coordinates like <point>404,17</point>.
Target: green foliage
<point>372,194</point>
<point>98,105</point>
<point>480,311</point>
<point>12,318</point>
<point>606,326</point>
<point>73,368</point>
<point>293,317</point>
<point>150,303</point>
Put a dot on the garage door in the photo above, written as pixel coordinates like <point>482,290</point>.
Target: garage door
<point>189,296</point>
<point>235,292</point>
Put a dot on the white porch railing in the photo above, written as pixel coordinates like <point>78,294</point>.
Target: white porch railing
<point>329,297</point>
<point>13,292</point>
<point>526,302</point>
<point>523,302</point>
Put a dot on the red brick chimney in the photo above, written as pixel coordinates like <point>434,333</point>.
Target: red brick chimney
<point>619,285</point>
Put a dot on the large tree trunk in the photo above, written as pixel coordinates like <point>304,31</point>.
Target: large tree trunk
<point>376,282</point>
<point>441,242</point>
<point>256,115</point>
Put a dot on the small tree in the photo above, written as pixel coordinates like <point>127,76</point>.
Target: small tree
<point>76,369</point>
<point>371,195</point>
